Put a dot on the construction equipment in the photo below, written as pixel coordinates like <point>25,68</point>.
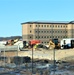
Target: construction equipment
<point>54,44</point>
<point>11,42</point>
<point>33,42</point>
<point>11,45</point>
<point>30,43</point>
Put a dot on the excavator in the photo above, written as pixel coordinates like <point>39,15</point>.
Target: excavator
<point>11,42</point>
<point>54,44</point>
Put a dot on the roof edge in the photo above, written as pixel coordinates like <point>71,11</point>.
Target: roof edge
<point>48,22</point>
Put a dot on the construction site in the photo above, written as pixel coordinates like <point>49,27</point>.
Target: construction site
<point>34,58</point>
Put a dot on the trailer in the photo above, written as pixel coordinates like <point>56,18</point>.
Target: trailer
<point>67,43</point>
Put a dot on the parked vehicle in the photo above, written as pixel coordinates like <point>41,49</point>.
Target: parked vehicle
<point>67,43</point>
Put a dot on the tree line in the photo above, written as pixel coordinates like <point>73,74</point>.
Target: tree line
<point>11,37</point>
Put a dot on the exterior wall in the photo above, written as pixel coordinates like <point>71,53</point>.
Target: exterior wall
<point>24,31</point>
<point>45,31</point>
<point>27,31</point>
<point>70,30</point>
<point>48,31</point>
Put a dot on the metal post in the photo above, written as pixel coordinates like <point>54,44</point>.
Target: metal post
<point>32,59</point>
<point>53,52</point>
<point>4,57</point>
<point>54,60</point>
<point>17,49</point>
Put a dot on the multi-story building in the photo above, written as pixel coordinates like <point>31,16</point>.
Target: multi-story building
<point>47,30</point>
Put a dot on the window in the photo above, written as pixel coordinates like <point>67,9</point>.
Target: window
<point>58,25</point>
<point>55,25</point>
<point>30,25</point>
<point>36,36</point>
<point>55,31</point>
<point>63,26</point>
<point>55,36</point>
<point>36,25</point>
<point>36,31</point>
<point>42,25</point>
<point>63,36</point>
<point>50,36</point>
<point>58,31</point>
<point>39,31</point>
<point>45,42</point>
<point>66,26</point>
<point>66,31</point>
<point>30,37</point>
<point>47,25</point>
<point>47,31</point>
<point>42,36</point>
<point>30,31</point>
<point>39,25</point>
<point>52,31</point>
<point>42,31</point>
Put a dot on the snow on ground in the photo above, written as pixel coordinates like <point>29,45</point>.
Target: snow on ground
<point>62,73</point>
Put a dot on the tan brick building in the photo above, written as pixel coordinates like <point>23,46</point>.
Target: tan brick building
<point>47,30</point>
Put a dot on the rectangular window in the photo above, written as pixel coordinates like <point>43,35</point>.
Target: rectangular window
<point>30,31</point>
<point>36,25</point>
<point>42,25</point>
<point>47,25</point>
<point>39,25</point>
<point>30,25</point>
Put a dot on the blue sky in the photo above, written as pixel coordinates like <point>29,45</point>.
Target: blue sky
<point>15,12</point>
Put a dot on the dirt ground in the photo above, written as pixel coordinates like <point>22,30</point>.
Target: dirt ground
<point>67,54</point>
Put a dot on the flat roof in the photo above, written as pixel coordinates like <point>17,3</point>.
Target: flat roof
<point>49,22</point>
